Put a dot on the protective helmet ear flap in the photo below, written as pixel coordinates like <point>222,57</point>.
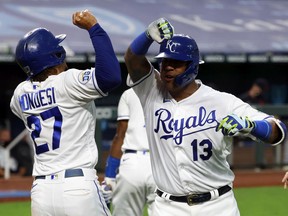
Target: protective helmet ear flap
<point>187,76</point>
<point>39,49</point>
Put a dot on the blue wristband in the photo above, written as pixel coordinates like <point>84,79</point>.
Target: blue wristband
<point>262,130</point>
<point>112,165</point>
<point>141,44</point>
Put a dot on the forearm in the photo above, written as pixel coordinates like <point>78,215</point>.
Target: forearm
<point>136,62</point>
<point>107,68</point>
<point>137,65</point>
<point>115,150</point>
<point>270,130</point>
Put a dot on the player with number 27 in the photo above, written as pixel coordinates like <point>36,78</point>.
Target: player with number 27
<point>57,107</point>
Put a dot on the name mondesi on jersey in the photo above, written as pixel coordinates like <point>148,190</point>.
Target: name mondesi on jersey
<point>41,98</point>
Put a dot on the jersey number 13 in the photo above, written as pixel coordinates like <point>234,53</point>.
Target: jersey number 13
<point>206,146</point>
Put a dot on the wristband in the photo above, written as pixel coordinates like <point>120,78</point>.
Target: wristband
<point>262,130</point>
<point>112,165</point>
<point>141,44</point>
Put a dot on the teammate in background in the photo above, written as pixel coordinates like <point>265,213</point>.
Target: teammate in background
<point>257,93</point>
<point>285,180</point>
<point>135,185</point>
<point>57,106</point>
<point>190,126</point>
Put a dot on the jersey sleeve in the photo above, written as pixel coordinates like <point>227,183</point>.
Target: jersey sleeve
<point>244,109</point>
<point>14,103</point>
<point>144,85</point>
<point>123,107</point>
<point>81,85</point>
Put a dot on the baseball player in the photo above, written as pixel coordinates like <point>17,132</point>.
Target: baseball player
<point>57,107</point>
<point>190,126</point>
<point>135,185</point>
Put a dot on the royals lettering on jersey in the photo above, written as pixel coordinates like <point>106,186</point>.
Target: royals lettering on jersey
<point>43,97</point>
<point>167,124</point>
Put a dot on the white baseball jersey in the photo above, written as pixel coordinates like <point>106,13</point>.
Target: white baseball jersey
<point>129,108</point>
<point>59,113</point>
<point>187,154</point>
<point>135,185</point>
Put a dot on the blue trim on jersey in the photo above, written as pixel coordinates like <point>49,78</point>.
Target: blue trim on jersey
<point>142,78</point>
<point>141,44</point>
<point>284,128</point>
<point>96,86</point>
<point>107,67</point>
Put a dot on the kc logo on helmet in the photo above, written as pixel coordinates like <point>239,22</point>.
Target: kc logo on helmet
<point>172,46</point>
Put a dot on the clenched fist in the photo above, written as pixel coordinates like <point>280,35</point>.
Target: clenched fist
<point>84,19</point>
<point>160,29</point>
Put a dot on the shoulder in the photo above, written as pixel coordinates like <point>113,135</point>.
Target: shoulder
<point>74,77</point>
<point>214,92</point>
<point>218,97</point>
<point>21,87</point>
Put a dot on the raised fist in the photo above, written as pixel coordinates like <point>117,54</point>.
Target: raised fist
<point>159,30</point>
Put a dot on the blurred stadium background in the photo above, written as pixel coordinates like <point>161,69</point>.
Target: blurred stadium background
<point>239,41</point>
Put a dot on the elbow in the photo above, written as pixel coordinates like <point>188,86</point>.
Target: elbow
<point>110,82</point>
<point>128,56</point>
<point>116,82</point>
<point>279,133</point>
<point>117,78</point>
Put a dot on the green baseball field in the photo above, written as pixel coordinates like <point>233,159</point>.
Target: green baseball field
<point>252,201</point>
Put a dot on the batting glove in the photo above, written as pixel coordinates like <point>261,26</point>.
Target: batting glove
<point>107,192</point>
<point>108,185</point>
<point>232,124</point>
<point>159,30</point>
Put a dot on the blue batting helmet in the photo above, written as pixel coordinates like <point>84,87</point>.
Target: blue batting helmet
<point>183,48</point>
<point>39,49</point>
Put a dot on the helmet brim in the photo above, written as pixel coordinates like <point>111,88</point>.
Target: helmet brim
<point>60,37</point>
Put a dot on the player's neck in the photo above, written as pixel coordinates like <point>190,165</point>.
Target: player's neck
<point>50,71</point>
<point>184,92</point>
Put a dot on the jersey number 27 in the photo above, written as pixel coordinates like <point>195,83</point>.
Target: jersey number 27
<point>33,120</point>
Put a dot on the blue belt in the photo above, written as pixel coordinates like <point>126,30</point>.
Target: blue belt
<point>135,151</point>
<point>68,174</point>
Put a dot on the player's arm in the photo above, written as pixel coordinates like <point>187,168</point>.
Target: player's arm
<point>113,161</point>
<point>115,150</point>
<point>285,180</point>
<point>108,73</point>
<point>137,64</point>
<point>269,130</point>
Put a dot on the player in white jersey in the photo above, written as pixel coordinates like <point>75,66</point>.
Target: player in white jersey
<point>184,120</point>
<point>135,185</point>
<point>57,107</point>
